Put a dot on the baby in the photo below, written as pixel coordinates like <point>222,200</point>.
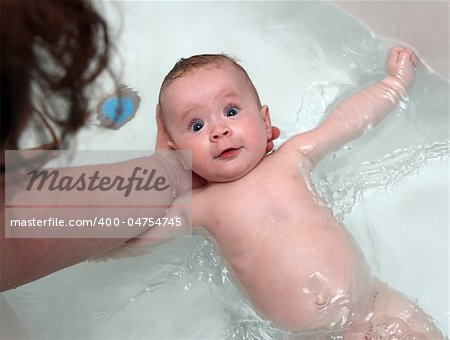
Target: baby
<point>298,266</point>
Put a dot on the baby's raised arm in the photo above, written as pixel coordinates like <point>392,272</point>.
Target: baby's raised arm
<point>362,110</point>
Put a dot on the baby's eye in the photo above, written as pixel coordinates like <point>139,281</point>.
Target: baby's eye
<point>231,111</point>
<point>196,125</point>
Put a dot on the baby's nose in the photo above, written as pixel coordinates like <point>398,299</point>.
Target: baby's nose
<point>219,132</point>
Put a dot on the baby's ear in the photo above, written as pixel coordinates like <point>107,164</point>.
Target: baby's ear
<point>265,115</point>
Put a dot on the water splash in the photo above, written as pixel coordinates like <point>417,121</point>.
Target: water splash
<point>342,188</point>
<point>207,265</point>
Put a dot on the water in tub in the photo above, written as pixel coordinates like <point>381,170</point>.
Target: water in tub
<point>388,187</point>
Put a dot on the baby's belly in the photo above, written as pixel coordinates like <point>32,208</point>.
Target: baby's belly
<point>302,279</point>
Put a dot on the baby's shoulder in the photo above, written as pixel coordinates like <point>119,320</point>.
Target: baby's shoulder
<point>289,153</point>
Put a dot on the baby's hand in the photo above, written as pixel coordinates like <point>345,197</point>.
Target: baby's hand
<point>400,65</point>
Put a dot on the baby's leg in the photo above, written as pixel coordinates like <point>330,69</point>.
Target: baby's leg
<point>397,317</point>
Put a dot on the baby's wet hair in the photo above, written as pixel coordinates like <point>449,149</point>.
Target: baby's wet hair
<point>207,61</point>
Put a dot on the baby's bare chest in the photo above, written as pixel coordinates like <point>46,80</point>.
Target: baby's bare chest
<point>276,197</point>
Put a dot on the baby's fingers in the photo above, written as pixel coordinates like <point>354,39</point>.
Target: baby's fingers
<point>401,63</point>
<point>401,57</point>
<point>406,57</point>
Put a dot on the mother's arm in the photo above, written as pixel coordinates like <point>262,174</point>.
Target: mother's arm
<point>23,260</point>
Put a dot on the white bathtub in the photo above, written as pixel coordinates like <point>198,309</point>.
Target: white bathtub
<point>408,220</point>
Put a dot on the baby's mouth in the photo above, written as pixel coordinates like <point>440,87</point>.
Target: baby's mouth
<point>228,153</point>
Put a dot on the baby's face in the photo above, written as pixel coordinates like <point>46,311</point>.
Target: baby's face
<point>214,113</point>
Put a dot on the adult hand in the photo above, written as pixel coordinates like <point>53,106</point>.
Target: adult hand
<point>162,143</point>
<point>275,135</point>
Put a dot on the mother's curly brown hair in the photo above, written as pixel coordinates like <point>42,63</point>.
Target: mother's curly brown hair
<point>51,50</point>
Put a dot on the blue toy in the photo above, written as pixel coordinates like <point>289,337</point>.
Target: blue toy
<point>118,108</point>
